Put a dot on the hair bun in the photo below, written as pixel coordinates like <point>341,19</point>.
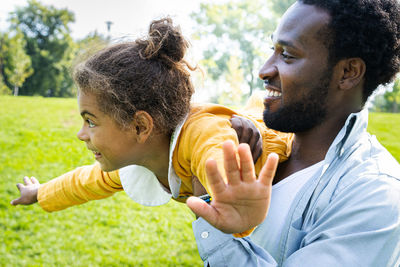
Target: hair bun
<point>165,41</point>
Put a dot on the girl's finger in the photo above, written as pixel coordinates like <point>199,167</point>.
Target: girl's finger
<point>19,186</point>
<point>268,171</point>
<point>15,202</point>
<point>232,169</point>
<point>246,163</point>
<point>214,178</point>
<point>27,180</point>
<point>202,209</point>
<point>34,180</point>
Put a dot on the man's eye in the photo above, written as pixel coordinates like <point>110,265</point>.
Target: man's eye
<point>286,55</point>
<point>90,123</point>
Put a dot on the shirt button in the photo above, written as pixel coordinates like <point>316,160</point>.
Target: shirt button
<point>204,235</point>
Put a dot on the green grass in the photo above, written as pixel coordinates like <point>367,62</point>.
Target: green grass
<point>38,138</point>
<point>386,127</point>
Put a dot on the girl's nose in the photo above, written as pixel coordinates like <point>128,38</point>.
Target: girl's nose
<point>82,135</point>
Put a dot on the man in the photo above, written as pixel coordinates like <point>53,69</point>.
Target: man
<point>336,201</point>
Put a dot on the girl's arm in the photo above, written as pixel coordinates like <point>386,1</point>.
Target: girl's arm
<point>73,188</point>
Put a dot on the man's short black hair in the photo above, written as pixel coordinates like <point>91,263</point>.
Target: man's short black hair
<point>368,29</point>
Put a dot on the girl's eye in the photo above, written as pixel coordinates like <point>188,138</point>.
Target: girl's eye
<point>90,123</point>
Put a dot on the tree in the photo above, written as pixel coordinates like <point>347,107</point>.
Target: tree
<point>89,45</point>
<point>4,90</point>
<point>280,6</point>
<point>49,46</point>
<point>17,64</point>
<point>392,97</point>
<point>234,77</point>
<point>240,29</point>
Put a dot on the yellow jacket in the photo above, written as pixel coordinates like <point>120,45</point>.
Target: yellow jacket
<point>201,138</point>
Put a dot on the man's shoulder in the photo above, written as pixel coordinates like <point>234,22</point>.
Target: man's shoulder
<point>369,165</point>
<point>371,158</point>
<point>382,160</point>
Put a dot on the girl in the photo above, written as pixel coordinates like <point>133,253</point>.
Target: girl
<point>148,140</point>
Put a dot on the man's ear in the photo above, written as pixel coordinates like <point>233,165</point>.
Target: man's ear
<point>353,71</point>
<point>143,124</point>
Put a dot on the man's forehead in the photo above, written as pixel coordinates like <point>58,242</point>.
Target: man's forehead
<point>300,22</point>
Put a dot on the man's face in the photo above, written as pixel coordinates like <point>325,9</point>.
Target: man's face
<point>297,76</point>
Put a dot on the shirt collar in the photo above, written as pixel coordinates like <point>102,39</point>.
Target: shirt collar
<point>173,180</point>
<point>355,124</point>
<point>142,185</point>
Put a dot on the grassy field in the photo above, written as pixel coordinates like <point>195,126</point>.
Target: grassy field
<point>386,127</point>
<point>37,138</point>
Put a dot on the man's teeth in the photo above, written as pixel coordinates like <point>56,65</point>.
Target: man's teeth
<point>273,93</point>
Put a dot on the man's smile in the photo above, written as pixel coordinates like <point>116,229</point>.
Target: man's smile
<point>273,93</point>
<point>272,90</point>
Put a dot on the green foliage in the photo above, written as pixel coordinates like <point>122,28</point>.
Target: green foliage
<point>280,6</point>
<point>38,138</point>
<point>49,46</point>
<point>4,89</point>
<point>17,64</point>
<point>392,97</point>
<point>239,29</point>
<point>390,100</point>
<point>233,29</point>
<point>89,45</point>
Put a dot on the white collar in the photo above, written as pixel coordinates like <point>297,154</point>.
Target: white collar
<point>142,185</point>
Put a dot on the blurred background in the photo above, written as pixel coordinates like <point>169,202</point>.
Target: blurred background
<point>40,41</point>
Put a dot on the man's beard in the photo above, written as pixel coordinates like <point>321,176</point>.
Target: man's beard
<point>301,115</point>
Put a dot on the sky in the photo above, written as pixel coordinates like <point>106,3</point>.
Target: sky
<point>129,17</point>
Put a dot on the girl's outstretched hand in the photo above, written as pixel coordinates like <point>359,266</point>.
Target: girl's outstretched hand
<point>242,203</point>
<point>28,192</point>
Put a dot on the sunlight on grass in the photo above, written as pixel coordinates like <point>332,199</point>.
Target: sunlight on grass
<point>38,138</point>
<point>386,127</point>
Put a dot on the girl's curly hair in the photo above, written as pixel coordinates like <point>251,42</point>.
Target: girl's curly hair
<point>148,74</point>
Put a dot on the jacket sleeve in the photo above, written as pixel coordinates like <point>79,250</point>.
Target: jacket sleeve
<point>219,249</point>
<point>77,187</point>
<point>201,140</point>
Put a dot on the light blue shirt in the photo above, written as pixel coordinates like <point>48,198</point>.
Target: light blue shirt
<point>347,214</point>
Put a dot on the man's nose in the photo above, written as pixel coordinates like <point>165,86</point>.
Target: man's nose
<point>268,70</point>
<point>82,135</point>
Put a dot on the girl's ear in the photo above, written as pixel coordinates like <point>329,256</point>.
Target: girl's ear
<point>143,124</point>
<point>353,71</point>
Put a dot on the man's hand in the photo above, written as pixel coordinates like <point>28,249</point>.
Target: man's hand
<point>28,192</point>
<point>249,134</point>
<point>198,188</point>
<point>243,202</point>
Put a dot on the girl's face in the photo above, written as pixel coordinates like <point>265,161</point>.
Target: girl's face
<point>112,146</point>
